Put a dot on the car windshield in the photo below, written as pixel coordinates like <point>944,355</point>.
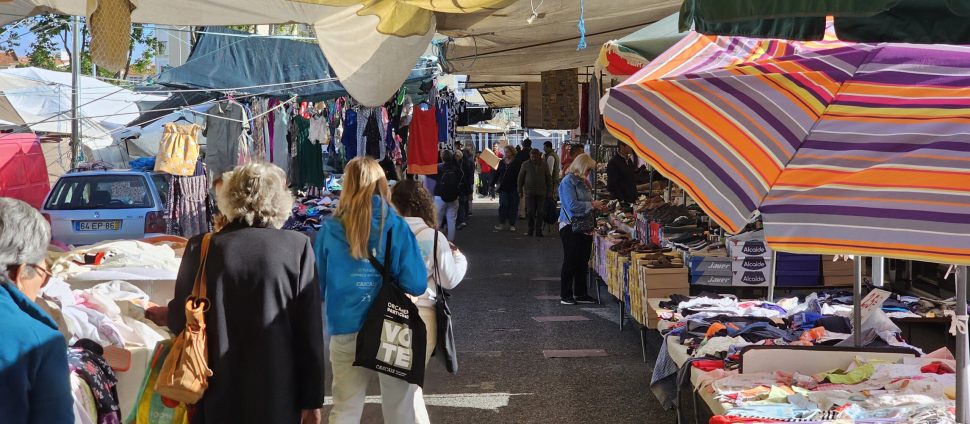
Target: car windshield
<point>101,192</point>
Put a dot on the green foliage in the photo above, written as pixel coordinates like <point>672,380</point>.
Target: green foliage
<point>52,33</point>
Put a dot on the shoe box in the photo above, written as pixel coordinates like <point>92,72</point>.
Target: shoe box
<point>841,273</point>
<point>650,317</point>
<point>748,245</point>
<point>792,270</point>
<point>711,270</point>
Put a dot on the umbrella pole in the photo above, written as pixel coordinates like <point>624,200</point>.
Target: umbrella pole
<point>963,403</point>
<point>75,91</point>
<point>878,270</point>
<point>773,272</point>
<point>857,303</point>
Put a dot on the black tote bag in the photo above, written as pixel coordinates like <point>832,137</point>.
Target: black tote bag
<point>393,339</point>
<point>445,345</point>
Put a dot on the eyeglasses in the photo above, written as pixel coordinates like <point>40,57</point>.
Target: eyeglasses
<point>41,270</point>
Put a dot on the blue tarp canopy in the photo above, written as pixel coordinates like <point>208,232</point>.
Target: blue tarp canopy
<point>225,59</point>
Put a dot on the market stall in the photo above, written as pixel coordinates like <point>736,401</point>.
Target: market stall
<point>793,134</point>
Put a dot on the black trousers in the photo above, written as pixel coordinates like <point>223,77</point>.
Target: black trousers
<point>535,212</point>
<point>576,249</point>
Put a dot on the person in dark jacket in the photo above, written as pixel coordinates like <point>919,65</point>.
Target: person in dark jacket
<point>535,187</point>
<point>466,161</point>
<point>507,180</point>
<point>621,175</point>
<point>35,383</point>
<point>265,322</point>
<point>526,152</point>
<point>447,207</point>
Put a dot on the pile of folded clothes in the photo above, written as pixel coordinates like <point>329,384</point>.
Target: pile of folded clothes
<point>913,390</point>
<point>310,211</point>
<point>713,329</point>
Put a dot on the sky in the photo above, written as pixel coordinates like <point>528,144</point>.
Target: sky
<point>27,38</point>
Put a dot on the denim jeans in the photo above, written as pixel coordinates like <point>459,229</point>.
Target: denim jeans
<point>508,207</point>
<point>449,211</point>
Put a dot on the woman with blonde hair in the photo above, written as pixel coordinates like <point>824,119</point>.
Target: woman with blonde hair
<point>264,307</point>
<point>576,196</point>
<point>362,223</point>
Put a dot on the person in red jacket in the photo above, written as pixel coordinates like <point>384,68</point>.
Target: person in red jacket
<point>486,174</point>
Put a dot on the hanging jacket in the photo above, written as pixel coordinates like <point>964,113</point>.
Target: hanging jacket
<point>350,285</point>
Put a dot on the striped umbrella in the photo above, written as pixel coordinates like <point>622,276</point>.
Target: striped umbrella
<point>840,147</point>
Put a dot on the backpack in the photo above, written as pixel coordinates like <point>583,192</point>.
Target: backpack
<point>448,184</point>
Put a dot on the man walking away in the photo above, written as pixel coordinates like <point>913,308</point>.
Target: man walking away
<point>552,161</point>
<point>467,164</point>
<point>446,193</point>
<point>535,186</point>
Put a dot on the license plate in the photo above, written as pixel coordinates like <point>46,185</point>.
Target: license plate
<point>112,225</point>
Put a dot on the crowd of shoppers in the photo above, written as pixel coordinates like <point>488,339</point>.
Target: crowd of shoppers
<point>264,322</point>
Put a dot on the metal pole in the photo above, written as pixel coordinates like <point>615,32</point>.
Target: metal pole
<point>963,403</point>
<point>75,92</point>
<point>878,270</point>
<point>773,267</point>
<point>857,303</point>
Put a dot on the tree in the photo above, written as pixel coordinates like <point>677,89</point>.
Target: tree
<point>53,35</point>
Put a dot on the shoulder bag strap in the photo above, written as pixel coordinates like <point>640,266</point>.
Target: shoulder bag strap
<point>199,288</point>
<point>437,277</point>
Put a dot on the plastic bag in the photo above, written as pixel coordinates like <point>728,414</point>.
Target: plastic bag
<point>151,408</point>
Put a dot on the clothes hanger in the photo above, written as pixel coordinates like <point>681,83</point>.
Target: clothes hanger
<point>182,117</point>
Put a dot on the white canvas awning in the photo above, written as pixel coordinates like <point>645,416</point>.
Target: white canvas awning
<point>371,65</point>
<point>502,46</point>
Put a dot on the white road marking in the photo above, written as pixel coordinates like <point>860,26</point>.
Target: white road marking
<point>486,401</point>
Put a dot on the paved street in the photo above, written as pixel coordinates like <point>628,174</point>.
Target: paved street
<point>504,376</point>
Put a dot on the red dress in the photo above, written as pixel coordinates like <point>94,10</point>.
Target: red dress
<point>423,142</point>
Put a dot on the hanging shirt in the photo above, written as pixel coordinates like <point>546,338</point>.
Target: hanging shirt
<point>281,147</point>
<point>423,142</point>
<point>349,138</point>
<point>441,116</point>
<point>372,138</point>
<point>222,131</point>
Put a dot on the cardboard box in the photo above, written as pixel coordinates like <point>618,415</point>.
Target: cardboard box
<point>840,268</point>
<point>490,158</point>
<point>651,321</point>
<point>751,263</point>
<point>750,278</point>
<point>747,248</point>
<point>712,280</point>
<point>665,278</point>
<point>711,265</point>
<point>838,280</point>
<point>795,263</point>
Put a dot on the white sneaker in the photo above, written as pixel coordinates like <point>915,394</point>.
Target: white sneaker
<point>500,227</point>
<point>512,229</point>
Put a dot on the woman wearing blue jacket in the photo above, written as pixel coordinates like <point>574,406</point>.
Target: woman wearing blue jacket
<point>35,383</point>
<point>363,221</point>
<point>577,201</point>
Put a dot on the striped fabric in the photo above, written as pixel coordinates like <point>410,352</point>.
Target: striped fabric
<point>842,148</point>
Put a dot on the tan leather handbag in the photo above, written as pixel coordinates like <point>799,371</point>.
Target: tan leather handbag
<point>185,373</point>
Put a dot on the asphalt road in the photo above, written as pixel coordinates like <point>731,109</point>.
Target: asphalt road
<point>504,376</point>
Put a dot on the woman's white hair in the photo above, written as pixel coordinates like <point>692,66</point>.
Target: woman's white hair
<point>255,194</point>
<point>24,233</point>
<point>581,165</point>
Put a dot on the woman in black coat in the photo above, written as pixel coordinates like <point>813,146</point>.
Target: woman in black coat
<point>264,325</point>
